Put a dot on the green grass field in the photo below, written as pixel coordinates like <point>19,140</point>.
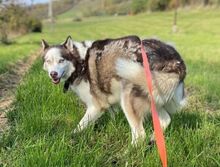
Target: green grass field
<point>10,54</point>
<point>43,117</point>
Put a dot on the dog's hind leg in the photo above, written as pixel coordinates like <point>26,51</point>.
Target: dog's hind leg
<point>135,119</point>
<point>91,115</point>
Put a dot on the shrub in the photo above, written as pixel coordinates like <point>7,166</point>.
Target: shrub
<point>16,19</point>
<point>35,25</point>
<point>138,6</point>
<point>77,19</point>
<point>161,5</point>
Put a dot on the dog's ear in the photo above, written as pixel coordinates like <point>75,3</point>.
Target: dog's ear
<point>44,44</point>
<point>68,43</point>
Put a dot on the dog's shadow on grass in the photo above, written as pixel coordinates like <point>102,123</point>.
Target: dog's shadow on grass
<point>183,119</point>
<point>187,120</point>
<point>113,115</point>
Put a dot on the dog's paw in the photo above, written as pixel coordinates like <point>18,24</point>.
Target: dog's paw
<point>151,143</point>
<point>75,131</point>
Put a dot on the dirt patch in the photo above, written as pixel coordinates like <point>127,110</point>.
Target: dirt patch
<point>8,84</point>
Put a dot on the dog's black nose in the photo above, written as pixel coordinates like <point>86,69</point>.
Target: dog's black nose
<point>53,74</point>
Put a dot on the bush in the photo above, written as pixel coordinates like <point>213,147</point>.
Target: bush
<point>77,19</point>
<point>17,19</point>
<point>142,5</point>
<point>138,6</point>
<point>35,25</point>
<point>159,5</point>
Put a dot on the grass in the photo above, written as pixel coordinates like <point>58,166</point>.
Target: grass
<point>44,117</point>
<point>10,54</point>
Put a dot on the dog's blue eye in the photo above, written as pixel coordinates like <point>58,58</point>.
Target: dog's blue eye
<point>61,61</point>
<point>48,61</point>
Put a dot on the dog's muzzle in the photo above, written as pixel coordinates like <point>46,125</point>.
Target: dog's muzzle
<point>55,78</point>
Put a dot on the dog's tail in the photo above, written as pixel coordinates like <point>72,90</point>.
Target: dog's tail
<point>131,71</point>
<point>166,87</point>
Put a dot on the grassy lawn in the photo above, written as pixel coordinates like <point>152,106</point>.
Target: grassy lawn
<point>44,117</point>
<point>10,54</point>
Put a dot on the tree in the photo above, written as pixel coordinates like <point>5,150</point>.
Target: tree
<point>174,28</point>
<point>3,26</point>
<point>206,2</point>
<point>50,11</point>
<point>138,6</point>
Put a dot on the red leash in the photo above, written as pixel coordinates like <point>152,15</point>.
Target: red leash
<point>156,123</point>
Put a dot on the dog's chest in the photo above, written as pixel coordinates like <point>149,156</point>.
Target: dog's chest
<point>83,91</point>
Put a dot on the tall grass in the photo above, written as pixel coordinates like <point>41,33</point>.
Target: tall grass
<point>44,117</point>
<point>10,54</point>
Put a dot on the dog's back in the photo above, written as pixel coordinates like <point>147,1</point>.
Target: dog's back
<point>121,59</point>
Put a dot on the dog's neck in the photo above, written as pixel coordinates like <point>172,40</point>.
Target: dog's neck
<point>81,65</point>
<point>79,74</point>
<point>82,47</point>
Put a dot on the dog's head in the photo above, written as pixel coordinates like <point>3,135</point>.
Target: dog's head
<point>60,60</point>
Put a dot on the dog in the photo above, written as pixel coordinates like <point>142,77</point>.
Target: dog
<point>110,71</point>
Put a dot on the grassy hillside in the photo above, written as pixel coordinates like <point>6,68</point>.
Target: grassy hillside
<point>44,117</point>
<point>10,54</point>
<point>85,8</point>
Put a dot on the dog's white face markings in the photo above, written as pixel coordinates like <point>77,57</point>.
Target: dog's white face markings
<point>55,63</point>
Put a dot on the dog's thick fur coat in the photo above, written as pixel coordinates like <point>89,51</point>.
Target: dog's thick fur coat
<point>110,71</point>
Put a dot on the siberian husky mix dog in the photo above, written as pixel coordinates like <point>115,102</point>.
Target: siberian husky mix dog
<point>110,71</point>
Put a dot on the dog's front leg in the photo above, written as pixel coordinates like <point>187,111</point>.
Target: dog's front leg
<point>164,119</point>
<point>91,115</point>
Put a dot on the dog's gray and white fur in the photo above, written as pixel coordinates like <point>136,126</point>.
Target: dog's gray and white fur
<point>111,71</point>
